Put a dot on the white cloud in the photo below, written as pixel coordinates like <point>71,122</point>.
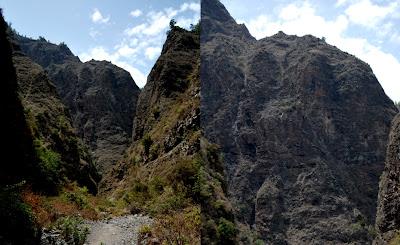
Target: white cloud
<point>97,17</point>
<point>134,42</point>
<point>190,6</point>
<point>158,22</point>
<point>301,19</point>
<point>152,52</point>
<point>137,75</point>
<point>341,2</point>
<point>297,20</point>
<point>126,51</point>
<point>136,13</point>
<point>368,14</point>
<point>94,33</point>
<point>135,30</point>
<point>395,38</point>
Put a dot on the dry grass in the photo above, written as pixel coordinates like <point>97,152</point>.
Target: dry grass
<point>72,201</point>
<point>179,228</point>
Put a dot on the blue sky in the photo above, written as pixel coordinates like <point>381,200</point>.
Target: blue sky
<point>368,29</point>
<point>128,33</point>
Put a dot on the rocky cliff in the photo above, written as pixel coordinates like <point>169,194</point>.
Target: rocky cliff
<point>159,173</point>
<point>100,96</point>
<point>388,219</point>
<point>303,127</point>
<point>60,151</point>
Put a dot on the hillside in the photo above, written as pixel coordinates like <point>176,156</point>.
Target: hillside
<point>100,96</point>
<point>42,154</point>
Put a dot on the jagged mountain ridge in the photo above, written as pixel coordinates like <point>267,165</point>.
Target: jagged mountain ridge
<point>101,97</point>
<point>303,128</point>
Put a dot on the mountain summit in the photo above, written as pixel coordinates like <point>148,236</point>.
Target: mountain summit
<point>303,127</point>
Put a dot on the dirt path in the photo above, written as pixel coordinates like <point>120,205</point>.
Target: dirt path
<point>116,231</point>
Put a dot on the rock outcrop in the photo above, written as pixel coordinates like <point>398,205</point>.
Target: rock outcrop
<point>168,79</point>
<point>100,96</point>
<point>303,127</point>
<point>159,174</point>
<point>388,214</point>
<point>167,114</point>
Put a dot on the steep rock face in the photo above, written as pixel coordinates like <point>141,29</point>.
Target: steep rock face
<point>167,113</point>
<point>388,219</point>
<point>159,173</point>
<point>303,128</point>
<point>101,97</point>
<point>50,124</point>
<point>168,79</point>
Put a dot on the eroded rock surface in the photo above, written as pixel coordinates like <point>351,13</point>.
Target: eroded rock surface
<point>388,215</point>
<point>303,127</point>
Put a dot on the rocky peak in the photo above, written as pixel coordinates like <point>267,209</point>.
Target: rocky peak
<point>216,19</point>
<point>168,78</point>
<point>44,52</point>
<point>215,10</point>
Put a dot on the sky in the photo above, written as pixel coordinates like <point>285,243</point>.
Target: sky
<point>128,33</point>
<point>368,29</point>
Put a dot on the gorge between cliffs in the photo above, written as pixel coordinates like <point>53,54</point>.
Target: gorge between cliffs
<point>232,140</point>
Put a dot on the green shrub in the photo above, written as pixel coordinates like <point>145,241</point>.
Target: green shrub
<point>168,201</point>
<point>154,151</point>
<point>17,223</point>
<point>72,229</point>
<point>226,230</point>
<point>156,112</point>
<point>49,164</point>
<point>184,173</point>
<point>259,242</point>
<point>156,186</point>
<point>145,229</point>
<point>79,197</point>
<point>147,142</point>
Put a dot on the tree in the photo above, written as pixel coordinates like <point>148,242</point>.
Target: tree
<point>172,24</point>
<point>195,28</point>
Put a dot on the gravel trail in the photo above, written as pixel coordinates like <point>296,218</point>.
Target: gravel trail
<point>116,231</point>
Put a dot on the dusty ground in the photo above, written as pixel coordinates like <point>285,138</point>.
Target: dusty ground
<point>116,231</point>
